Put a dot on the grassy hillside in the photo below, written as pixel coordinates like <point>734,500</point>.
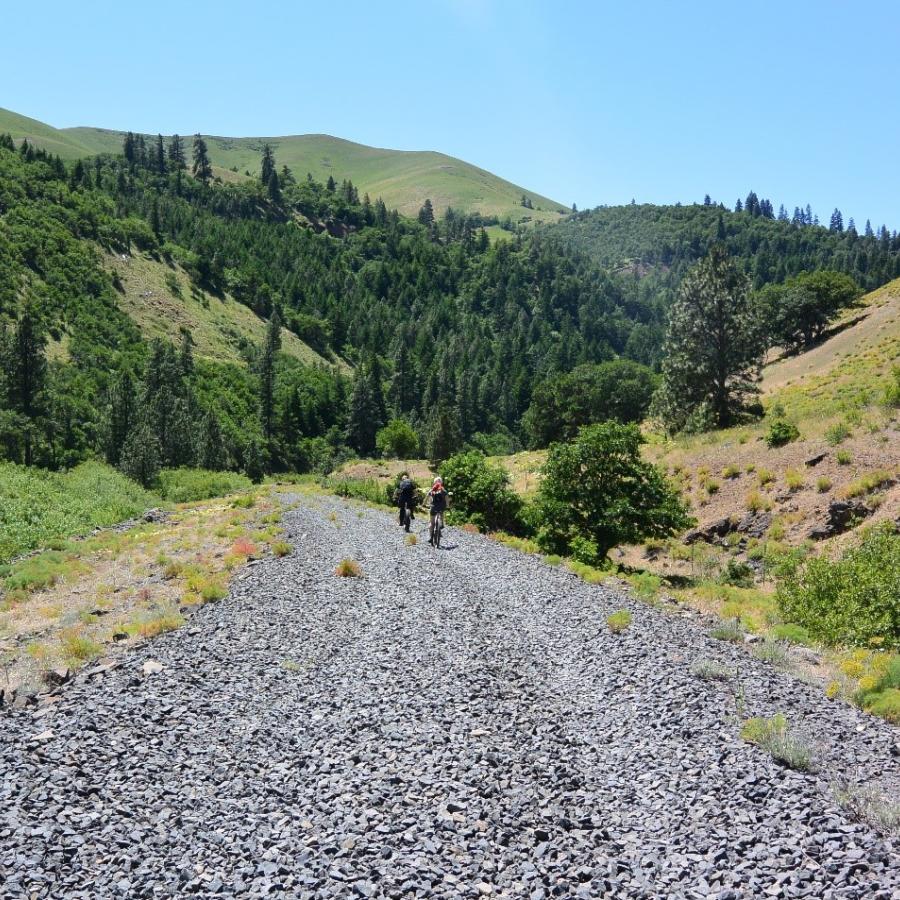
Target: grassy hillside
<point>403,178</point>
<point>161,300</point>
<point>51,139</point>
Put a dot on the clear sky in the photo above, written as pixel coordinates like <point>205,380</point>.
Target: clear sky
<point>591,102</point>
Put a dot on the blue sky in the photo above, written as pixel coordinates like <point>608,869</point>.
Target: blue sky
<point>590,102</point>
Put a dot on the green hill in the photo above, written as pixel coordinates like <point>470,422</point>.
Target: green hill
<point>402,178</point>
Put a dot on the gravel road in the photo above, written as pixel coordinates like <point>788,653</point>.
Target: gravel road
<point>454,723</point>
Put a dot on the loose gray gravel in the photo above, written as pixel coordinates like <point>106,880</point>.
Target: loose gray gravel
<point>455,723</point>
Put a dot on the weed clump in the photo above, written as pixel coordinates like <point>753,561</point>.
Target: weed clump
<point>619,621</point>
<point>348,568</point>
<point>710,670</point>
<point>867,804</point>
<point>729,630</point>
<point>775,736</point>
<point>282,548</point>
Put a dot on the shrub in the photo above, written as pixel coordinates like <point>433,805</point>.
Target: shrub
<point>729,630</point>
<point>866,803</point>
<point>367,489</point>
<point>282,548</point>
<point>837,433</point>
<point>791,633</point>
<point>244,547</point>
<point>775,736</point>
<point>397,439</point>
<point>882,698</point>
<point>892,391</point>
<point>213,590</point>
<point>781,432</point>
<point>481,492</point>
<point>737,574</point>
<point>730,472</point>
<point>646,585</point>
<point>245,501</point>
<point>853,600</point>
<point>76,647</point>
<point>619,621</point>
<point>348,568</point>
<point>190,485</point>
<point>844,457</point>
<point>598,487</point>
<point>794,480</point>
<point>823,485</point>
<point>773,652</point>
<point>712,487</point>
<point>710,670</point>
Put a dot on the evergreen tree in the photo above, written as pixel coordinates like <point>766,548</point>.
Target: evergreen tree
<point>837,221</point>
<point>274,188</point>
<point>210,448</point>
<point>714,347</point>
<point>268,165</point>
<point>177,160</point>
<point>140,458</point>
<point>201,170</point>
<point>159,159</point>
<point>330,185</point>
<point>426,214</point>
<point>129,147</point>
<point>707,200</point>
<point>121,417</point>
<point>443,435</point>
<point>267,378</point>
<point>186,353</point>
<point>363,416</point>
<point>738,207</point>
<point>869,232</point>
<point>254,461</point>
<point>24,370</point>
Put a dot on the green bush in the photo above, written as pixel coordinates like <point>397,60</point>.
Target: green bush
<point>189,485</point>
<point>367,489</point>
<point>397,439</point>
<point>481,493</point>
<point>737,574</point>
<point>791,633</point>
<point>884,698</point>
<point>599,488</point>
<point>892,391</point>
<point>39,507</point>
<point>853,600</point>
<point>619,621</point>
<point>837,433</point>
<point>781,432</point>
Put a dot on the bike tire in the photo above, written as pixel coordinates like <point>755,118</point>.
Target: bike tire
<point>438,528</point>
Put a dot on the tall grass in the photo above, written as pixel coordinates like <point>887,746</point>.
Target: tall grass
<point>38,507</point>
<point>188,485</point>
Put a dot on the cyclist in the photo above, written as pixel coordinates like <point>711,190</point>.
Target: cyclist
<point>437,499</point>
<point>406,497</point>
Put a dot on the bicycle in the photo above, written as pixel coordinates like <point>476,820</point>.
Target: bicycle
<point>407,516</point>
<point>437,526</point>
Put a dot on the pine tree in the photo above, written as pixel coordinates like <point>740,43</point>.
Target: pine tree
<point>201,170</point>
<point>274,188</point>
<point>267,378</point>
<point>186,353</point>
<point>24,370</point>
<point>177,160</point>
<point>330,185</point>
<point>362,419</point>
<point>707,200</point>
<point>443,435</point>
<point>140,458</point>
<point>160,156</point>
<point>869,232</point>
<point>120,418</point>
<point>426,214</point>
<point>738,207</point>
<point>268,165</point>
<point>714,347</point>
<point>210,449</point>
<point>128,147</point>
<point>837,221</point>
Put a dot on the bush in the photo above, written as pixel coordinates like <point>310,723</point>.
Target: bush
<point>844,457</point>
<point>397,439</point>
<point>781,432</point>
<point>823,485</point>
<point>282,548</point>
<point>729,630</point>
<point>710,670</point>
<point>189,485</point>
<point>892,391</point>
<point>883,698</point>
<point>853,600</point>
<point>791,633</point>
<point>737,574</point>
<point>619,621</point>
<point>775,736</point>
<point>481,493</point>
<point>837,433</point>
<point>599,488</point>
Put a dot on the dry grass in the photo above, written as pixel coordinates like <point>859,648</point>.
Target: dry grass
<point>348,568</point>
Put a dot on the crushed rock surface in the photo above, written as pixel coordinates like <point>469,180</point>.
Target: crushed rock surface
<point>454,723</point>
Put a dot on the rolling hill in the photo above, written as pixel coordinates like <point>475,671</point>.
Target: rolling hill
<point>403,178</point>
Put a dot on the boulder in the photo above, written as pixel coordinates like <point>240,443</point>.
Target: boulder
<point>710,532</point>
<point>842,515</point>
<point>815,460</point>
<point>754,524</point>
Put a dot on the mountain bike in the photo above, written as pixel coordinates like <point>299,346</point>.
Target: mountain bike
<point>407,515</point>
<point>437,526</point>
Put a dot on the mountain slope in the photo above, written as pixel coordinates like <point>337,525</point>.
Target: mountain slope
<point>403,178</point>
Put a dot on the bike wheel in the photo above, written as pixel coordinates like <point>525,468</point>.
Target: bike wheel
<point>438,528</point>
<point>407,519</point>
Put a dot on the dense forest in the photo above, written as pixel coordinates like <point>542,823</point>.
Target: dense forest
<point>441,329</point>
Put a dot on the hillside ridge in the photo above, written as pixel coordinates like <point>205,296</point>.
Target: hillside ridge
<point>403,178</point>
